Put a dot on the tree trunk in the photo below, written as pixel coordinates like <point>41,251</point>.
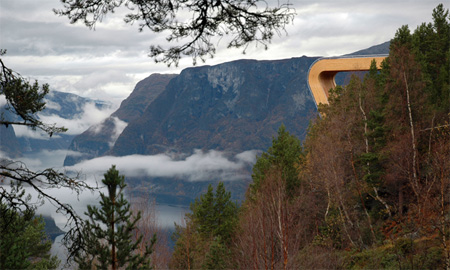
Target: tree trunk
<point>113,240</point>
<point>413,140</point>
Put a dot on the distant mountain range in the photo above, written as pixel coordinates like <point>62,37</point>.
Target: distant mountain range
<point>382,48</point>
<point>58,104</point>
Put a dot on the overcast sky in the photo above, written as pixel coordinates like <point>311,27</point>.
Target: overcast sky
<point>108,62</point>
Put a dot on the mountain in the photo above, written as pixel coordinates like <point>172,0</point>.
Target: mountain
<point>69,106</point>
<point>234,106</point>
<point>8,142</point>
<point>143,94</point>
<point>99,139</point>
<point>50,228</point>
<point>59,105</point>
<point>230,107</point>
<point>382,48</point>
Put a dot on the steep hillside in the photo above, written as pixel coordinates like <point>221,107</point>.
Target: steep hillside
<point>98,139</point>
<point>234,106</point>
<point>382,48</point>
<point>143,94</point>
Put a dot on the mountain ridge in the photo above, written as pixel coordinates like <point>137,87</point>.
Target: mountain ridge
<point>197,109</point>
<point>98,139</point>
<point>216,109</point>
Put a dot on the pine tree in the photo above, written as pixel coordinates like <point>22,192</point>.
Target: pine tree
<point>24,99</point>
<point>431,47</point>
<point>375,133</point>
<point>215,215</point>
<point>204,242</point>
<point>217,256</point>
<point>108,233</point>
<point>23,242</point>
<point>285,153</point>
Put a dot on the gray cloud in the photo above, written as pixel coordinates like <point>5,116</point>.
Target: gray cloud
<point>46,159</point>
<point>46,47</point>
<point>99,78</point>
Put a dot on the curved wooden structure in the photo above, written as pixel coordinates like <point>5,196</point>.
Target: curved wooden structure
<point>323,71</point>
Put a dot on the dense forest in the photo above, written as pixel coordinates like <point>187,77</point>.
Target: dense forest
<point>368,188</point>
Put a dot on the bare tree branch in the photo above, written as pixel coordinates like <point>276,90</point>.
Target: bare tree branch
<point>244,20</point>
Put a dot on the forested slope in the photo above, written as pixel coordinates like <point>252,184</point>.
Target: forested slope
<point>369,186</point>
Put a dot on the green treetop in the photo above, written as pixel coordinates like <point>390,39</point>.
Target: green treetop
<point>108,233</point>
<point>285,154</point>
<point>204,242</point>
<point>215,214</point>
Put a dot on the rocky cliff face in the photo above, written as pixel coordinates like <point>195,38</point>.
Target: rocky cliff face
<point>234,106</point>
<point>99,139</point>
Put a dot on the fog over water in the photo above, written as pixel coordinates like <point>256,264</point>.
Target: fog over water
<point>198,166</point>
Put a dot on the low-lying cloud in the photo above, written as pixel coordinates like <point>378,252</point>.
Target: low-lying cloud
<point>100,128</point>
<point>91,115</point>
<point>119,126</point>
<point>46,159</point>
<point>2,101</point>
<point>200,166</point>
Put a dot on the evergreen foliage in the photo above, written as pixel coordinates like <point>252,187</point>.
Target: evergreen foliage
<point>205,240</point>
<point>286,154</point>
<point>430,44</point>
<point>218,255</point>
<point>108,233</point>
<point>215,214</point>
<point>381,155</point>
<point>24,99</point>
<point>23,242</point>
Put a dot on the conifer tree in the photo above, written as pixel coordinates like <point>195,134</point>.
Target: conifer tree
<point>217,256</point>
<point>23,242</point>
<point>375,133</point>
<point>204,242</point>
<point>215,214</point>
<point>108,233</point>
<point>285,153</point>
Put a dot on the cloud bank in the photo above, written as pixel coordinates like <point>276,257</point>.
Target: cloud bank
<point>200,166</point>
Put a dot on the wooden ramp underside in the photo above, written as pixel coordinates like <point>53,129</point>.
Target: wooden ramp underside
<point>323,71</point>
